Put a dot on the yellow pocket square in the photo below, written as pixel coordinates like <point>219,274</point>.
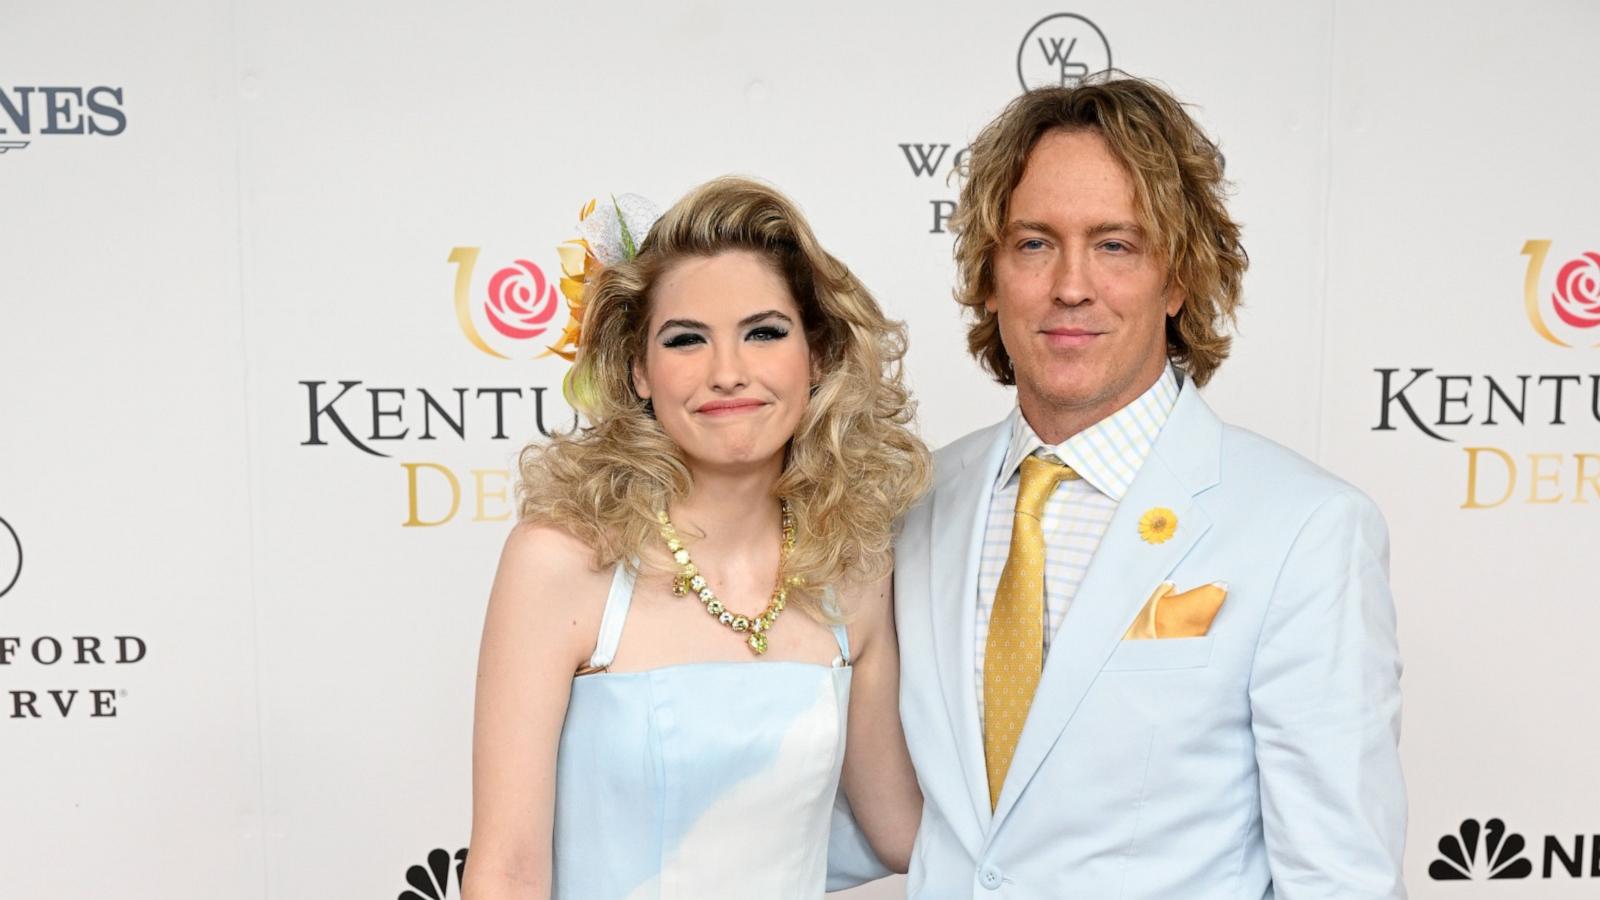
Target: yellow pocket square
<point>1169,615</point>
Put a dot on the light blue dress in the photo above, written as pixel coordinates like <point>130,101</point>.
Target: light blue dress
<point>696,781</point>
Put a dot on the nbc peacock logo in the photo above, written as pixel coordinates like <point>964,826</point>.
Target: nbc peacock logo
<point>1566,314</point>
<point>432,881</point>
<point>518,305</point>
<point>1501,857</point>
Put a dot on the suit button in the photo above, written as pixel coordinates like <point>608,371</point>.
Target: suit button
<point>989,877</point>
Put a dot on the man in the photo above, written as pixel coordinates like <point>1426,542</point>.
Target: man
<point>1144,654</point>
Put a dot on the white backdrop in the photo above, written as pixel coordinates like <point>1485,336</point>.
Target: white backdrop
<point>263,205</point>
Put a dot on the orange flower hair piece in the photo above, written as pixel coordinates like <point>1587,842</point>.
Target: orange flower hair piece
<point>578,263</point>
<point>607,235</point>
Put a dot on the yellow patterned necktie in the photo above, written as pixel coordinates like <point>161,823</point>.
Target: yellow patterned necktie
<point>1013,656</point>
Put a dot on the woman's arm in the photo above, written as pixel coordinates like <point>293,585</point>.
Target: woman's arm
<point>878,778</point>
<point>540,627</point>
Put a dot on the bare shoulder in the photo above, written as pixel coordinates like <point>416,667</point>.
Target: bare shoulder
<point>547,591</point>
<point>868,608</point>
<point>534,544</point>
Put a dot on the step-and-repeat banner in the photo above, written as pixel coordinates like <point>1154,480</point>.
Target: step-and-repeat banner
<point>276,279</point>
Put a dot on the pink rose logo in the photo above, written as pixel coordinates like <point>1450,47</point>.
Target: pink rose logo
<point>1577,296</point>
<point>521,301</point>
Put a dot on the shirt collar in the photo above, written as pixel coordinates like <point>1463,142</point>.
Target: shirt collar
<point>1109,453</point>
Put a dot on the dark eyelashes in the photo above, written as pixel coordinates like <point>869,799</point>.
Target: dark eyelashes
<point>690,338</point>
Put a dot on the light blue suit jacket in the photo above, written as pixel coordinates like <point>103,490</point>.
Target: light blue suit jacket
<point>1258,761</point>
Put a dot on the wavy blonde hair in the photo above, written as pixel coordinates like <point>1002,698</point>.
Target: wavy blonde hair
<point>851,469</point>
<point>1178,191</point>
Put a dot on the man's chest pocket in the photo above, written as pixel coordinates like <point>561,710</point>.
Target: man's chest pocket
<point>1170,653</point>
<point>1161,682</point>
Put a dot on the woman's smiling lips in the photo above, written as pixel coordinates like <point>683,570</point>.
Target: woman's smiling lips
<point>730,407</point>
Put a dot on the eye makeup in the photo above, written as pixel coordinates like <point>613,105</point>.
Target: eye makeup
<point>770,325</point>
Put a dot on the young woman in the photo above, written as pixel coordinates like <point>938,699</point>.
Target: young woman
<point>696,602</point>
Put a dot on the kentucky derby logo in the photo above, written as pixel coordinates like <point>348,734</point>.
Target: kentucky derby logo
<point>518,304</point>
<point>10,557</point>
<point>432,882</point>
<point>1060,51</point>
<point>1569,314</point>
<point>1502,854</point>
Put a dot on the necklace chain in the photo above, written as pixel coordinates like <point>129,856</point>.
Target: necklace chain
<point>689,580</point>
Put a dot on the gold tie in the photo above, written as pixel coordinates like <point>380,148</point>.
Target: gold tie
<point>1014,653</point>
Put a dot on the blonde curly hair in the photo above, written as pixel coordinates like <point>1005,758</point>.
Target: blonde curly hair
<point>1178,190</point>
<point>853,466</point>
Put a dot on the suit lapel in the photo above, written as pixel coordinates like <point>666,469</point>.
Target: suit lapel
<point>1124,571</point>
<point>960,513</point>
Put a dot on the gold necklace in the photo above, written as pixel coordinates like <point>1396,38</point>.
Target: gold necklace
<point>689,579</point>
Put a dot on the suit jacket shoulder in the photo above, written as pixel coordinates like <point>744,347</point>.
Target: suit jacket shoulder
<point>1262,474</point>
<point>952,457</point>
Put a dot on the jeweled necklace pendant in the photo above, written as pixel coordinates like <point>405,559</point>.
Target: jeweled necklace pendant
<point>690,580</point>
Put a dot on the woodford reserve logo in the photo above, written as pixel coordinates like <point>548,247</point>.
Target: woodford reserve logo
<point>74,664</point>
<point>10,557</point>
<point>56,656</point>
<point>1563,308</point>
<point>511,318</point>
<point>1059,50</point>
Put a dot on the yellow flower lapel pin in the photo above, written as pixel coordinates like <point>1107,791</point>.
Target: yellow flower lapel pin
<point>1158,525</point>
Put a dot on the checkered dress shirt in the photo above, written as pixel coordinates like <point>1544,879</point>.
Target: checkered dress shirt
<point>1107,455</point>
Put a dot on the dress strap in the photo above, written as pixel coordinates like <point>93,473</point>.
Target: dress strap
<point>617,602</point>
<point>830,602</point>
<point>843,637</point>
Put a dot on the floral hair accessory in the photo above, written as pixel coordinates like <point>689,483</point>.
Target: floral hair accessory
<point>607,235</point>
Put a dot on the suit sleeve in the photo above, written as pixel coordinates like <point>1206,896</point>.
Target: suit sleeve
<point>850,858</point>
<point>1325,711</point>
